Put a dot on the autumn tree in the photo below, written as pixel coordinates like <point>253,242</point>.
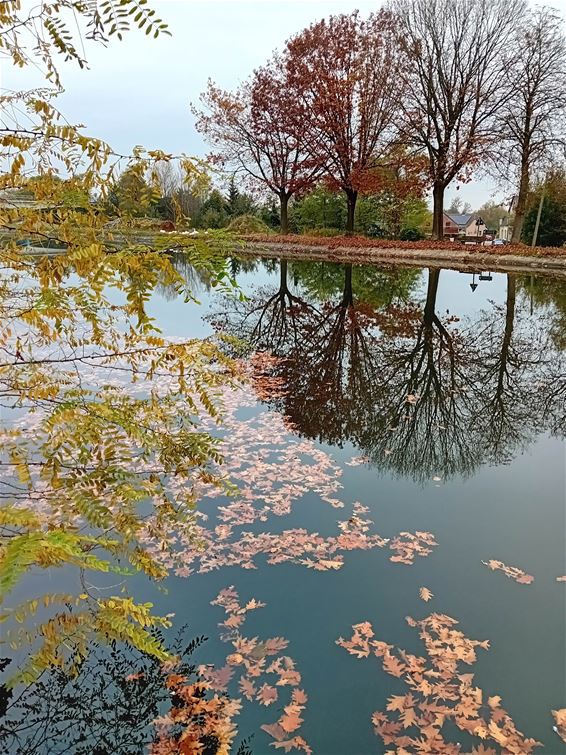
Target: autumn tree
<point>458,206</point>
<point>492,213</point>
<point>345,75</point>
<point>452,82</point>
<point>551,191</point>
<point>258,131</point>
<point>531,120</point>
<point>88,450</point>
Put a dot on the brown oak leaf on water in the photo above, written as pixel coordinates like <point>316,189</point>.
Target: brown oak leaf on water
<point>560,722</point>
<point>425,594</point>
<point>266,694</point>
<point>513,572</point>
<point>440,695</point>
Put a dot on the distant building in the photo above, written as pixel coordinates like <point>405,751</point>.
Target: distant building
<point>455,224</point>
<point>505,231</point>
<point>468,224</point>
<point>475,227</point>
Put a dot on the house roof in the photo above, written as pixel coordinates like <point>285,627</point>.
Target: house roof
<point>462,220</point>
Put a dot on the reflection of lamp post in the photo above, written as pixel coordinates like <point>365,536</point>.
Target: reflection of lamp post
<point>473,284</point>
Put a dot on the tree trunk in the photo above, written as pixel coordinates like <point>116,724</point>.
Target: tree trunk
<point>521,206</point>
<point>352,197</point>
<point>348,293</point>
<point>284,213</point>
<point>438,211</point>
<point>431,291</point>
<point>283,288</point>
<point>508,333</point>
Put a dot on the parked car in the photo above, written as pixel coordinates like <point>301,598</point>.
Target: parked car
<point>495,242</point>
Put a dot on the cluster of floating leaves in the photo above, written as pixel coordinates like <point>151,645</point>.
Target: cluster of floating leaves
<point>201,716</point>
<point>441,694</point>
<point>265,676</point>
<point>408,545</point>
<point>513,572</point>
<point>203,712</point>
<point>272,471</point>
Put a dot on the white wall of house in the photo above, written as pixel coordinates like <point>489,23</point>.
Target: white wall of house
<point>475,230</point>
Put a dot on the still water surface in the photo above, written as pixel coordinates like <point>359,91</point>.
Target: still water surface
<point>478,460</point>
<point>438,405</point>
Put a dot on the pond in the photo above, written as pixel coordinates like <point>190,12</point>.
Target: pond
<point>398,450</point>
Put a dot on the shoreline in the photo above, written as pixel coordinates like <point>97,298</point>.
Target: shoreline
<point>436,258</point>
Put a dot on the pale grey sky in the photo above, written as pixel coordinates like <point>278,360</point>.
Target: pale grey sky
<point>138,91</point>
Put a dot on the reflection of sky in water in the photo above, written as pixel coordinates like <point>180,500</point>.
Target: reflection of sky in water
<point>454,294</point>
<point>514,512</point>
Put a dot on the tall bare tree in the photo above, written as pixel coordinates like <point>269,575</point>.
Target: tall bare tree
<point>532,119</point>
<point>453,82</point>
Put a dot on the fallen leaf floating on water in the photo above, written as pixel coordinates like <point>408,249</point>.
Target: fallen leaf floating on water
<point>561,579</point>
<point>261,679</point>
<point>512,572</point>
<point>357,461</point>
<point>408,545</point>
<point>217,679</point>
<point>297,743</point>
<point>266,694</point>
<point>425,594</point>
<point>560,719</point>
<point>439,694</point>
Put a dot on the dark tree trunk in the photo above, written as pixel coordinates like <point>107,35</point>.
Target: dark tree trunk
<point>438,211</point>
<point>284,213</point>
<point>507,335</point>
<point>352,197</point>
<point>431,291</point>
<point>348,293</point>
<point>521,206</point>
<point>509,317</point>
<point>283,288</point>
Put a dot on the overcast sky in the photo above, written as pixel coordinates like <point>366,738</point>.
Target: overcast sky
<point>139,91</point>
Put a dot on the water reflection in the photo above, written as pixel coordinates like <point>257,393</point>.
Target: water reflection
<point>364,358</point>
<point>118,704</point>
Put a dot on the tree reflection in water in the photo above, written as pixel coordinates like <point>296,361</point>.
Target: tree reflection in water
<point>418,394</point>
<point>548,295</point>
<point>110,706</point>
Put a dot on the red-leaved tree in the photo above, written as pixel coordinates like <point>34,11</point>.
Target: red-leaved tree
<point>344,73</point>
<point>260,131</point>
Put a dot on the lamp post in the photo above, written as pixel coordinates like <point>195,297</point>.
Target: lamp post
<point>479,224</point>
<point>539,213</point>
